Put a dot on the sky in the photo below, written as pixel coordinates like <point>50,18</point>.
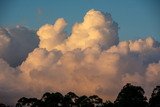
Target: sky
<point>88,47</point>
<point>136,18</point>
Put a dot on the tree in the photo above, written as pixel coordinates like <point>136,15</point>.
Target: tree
<point>22,102</point>
<point>154,101</point>
<point>3,105</point>
<point>30,102</point>
<point>98,102</point>
<point>52,99</point>
<point>58,99</point>
<point>108,104</point>
<point>131,96</point>
<point>45,96</point>
<point>84,101</point>
<point>70,99</point>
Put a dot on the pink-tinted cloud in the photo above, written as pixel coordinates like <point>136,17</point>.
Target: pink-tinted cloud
<point>89,61</point>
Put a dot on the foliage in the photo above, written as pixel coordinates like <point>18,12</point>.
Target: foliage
<point>129,96</point>
<point>154,101</point>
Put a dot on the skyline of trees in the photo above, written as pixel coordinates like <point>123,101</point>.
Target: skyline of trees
<point>129,96</point>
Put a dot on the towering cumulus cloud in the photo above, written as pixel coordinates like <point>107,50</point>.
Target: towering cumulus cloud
<point>96,30</point>
<point>90,60</point>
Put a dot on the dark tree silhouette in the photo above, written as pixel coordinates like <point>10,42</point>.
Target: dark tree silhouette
<point>131,96</point>
<point>58,99</point>
<point>84,101</point>
<point>154,101</point>
<point>3,105</point>
<point>98,102</point>
<point>47,99</point>
<point>22,102</point>
<point>34,102</point>
<point>30,102</point>
<point>70,99</point>
<point>52,99</point>
<point>108,104</point>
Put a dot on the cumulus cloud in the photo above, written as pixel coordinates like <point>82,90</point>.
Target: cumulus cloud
<point>52,35</point>
<point>93,71</point>
<point>153,72</point>
<point>90,60</point>
<point>5,40</point>
<point>11,84</point>
<point>152,75</point>
<point>16,43</point>
<point>97,30</point>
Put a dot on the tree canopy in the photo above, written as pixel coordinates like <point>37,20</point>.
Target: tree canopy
<point>129,96</point>
<point>154,101</point>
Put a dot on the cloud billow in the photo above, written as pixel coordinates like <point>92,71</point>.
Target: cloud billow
<point>90,60</point>
<point>16,43</point>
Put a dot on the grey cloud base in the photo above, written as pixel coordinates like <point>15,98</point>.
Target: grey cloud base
<point>16,43</point>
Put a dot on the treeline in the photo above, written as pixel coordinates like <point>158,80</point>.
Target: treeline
<point>129,96</point>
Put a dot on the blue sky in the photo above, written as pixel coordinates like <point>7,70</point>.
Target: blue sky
<point>136,18</point>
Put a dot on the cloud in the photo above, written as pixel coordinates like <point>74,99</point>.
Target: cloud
<point>96,70</point>
<point>152,75</point>
<point>16,43</point>
<point>52,35</point>
<point>90,60</point>
<point>11,84</point>
<point>97,30</point>
<point>5,40</point>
